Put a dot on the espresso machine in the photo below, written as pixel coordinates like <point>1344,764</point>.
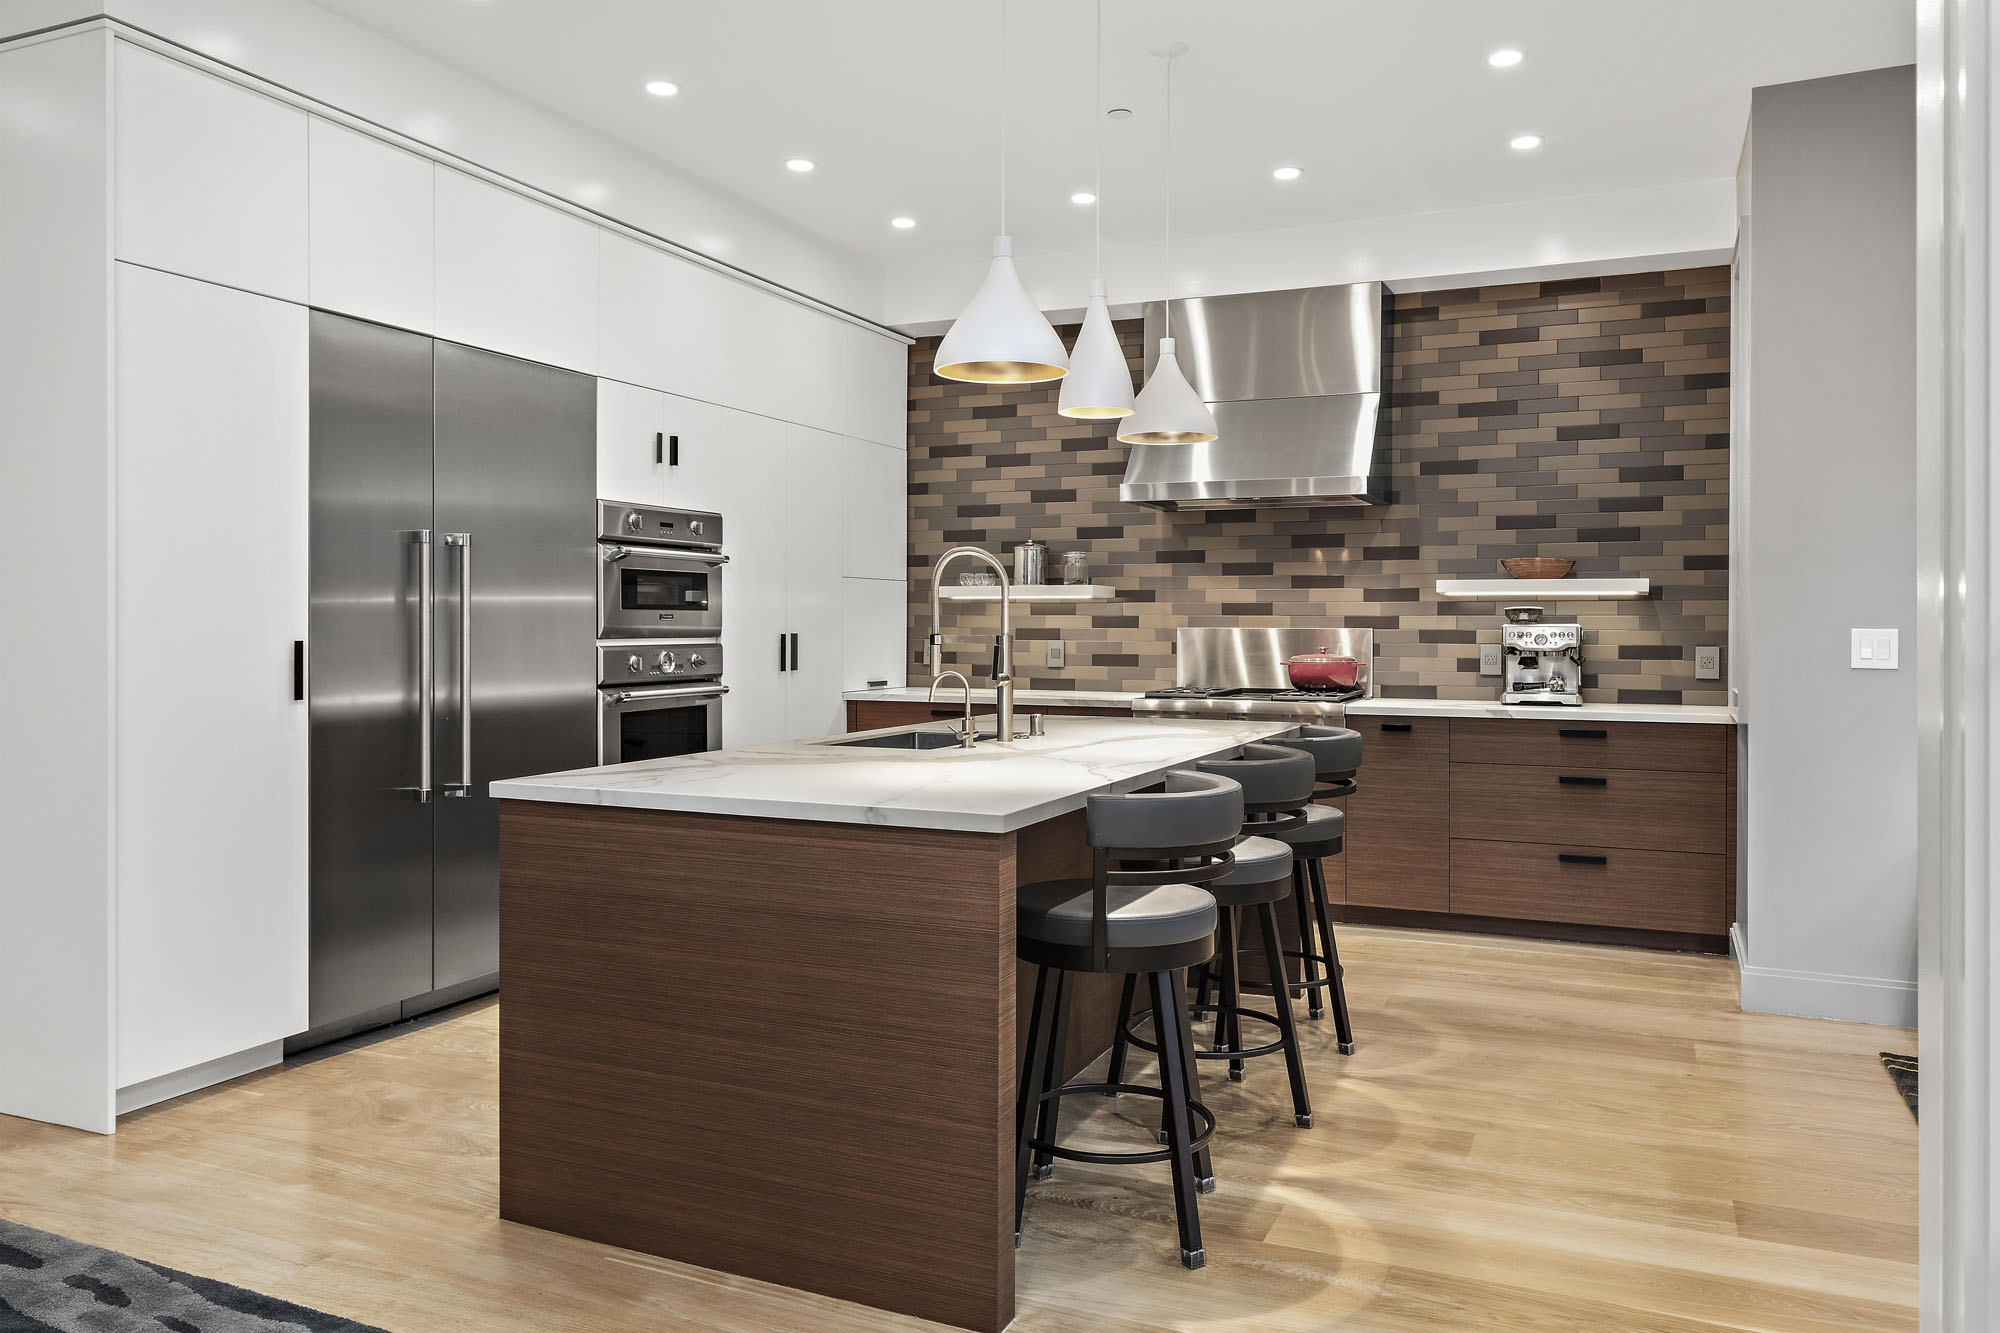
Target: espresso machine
<point>1539,663</point>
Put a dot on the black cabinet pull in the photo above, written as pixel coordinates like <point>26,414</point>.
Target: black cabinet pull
<point>795,652</point>
<point>298,670</point>
<point>947,712</point>
<point>1572,780</point>
<point>659,447</point>
<point>1584,733</point>
<point>1396,726</point>
<point>781,651</point>
<point>673,451</point>
<point>1578,859</point>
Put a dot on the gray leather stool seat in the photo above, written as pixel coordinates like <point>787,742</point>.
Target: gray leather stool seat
<point>1324,826</point>
<point>1058,912</point>
<point>1262,874</point>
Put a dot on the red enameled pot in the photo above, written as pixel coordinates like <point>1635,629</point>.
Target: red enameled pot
<point>1322,671</point>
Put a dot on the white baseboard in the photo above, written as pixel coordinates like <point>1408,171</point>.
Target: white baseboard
<point>196,1077</point>
<point>1777,990</point>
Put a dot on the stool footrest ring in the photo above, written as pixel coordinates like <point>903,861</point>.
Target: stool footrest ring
<point>1208,1011</point>
<point>1200,1141</point>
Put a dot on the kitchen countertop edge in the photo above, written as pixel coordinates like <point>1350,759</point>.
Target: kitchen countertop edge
<point>1701,714</point>
<point>917,694</point>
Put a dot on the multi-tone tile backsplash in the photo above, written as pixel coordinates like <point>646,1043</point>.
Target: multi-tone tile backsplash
<point>1585,418</point>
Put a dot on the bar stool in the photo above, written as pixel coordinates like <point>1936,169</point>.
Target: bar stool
<point>1277,787</point>
<point>1336,754</point>
<point>1142,914</point>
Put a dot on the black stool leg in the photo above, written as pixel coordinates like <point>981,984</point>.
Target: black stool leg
<point>1232,987</point>
<point>1295,1065</point>
<point>1207,986</point>
<point>1027,1096</point>
<point>1204,1168</point>
<point>1052,1074</point>
<point>1343,1027</point>
<point>1115,1071</point>
<point>1170,1006</point>
<point>1308,967</point>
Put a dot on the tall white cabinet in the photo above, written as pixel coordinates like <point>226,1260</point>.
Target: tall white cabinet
<point>210,493</point>
<point>167,225</point>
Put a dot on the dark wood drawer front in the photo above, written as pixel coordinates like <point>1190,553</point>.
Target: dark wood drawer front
<point>1402,742</point>
<point>1398,842</point>
<point>1599,886</point>
<point>1673,746</point>
<point>1656,811</point>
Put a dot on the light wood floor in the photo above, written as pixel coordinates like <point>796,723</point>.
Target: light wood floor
<point>1531,1136</point>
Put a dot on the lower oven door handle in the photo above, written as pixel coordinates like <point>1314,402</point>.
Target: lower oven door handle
<point>613,554</point>
<point>689,692</point>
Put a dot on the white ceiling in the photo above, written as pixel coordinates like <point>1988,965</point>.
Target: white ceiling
<point>1389,105</point>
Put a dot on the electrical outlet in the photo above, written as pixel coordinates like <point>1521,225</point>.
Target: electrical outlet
<point>1052,654</point>
<point>1489,659</point>
<point>1708,663</point>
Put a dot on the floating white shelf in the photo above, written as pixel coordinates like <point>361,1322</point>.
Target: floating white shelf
<point>1539,590</point>
<point>1034,592</point>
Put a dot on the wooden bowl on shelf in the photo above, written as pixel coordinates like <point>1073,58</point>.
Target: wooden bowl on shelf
<point>1538,566</point>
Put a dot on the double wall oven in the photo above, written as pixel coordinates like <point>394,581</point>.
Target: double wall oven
<point>659,630</point>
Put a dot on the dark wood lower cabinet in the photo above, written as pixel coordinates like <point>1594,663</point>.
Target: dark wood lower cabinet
<point>1561,827</point>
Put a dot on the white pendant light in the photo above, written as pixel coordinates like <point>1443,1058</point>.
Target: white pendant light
<point>1001,337</point>
<point>1099,383</point>
<point>1168,410</point>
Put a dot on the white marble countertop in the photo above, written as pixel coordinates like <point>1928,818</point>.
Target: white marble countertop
<point>992,788</point>
<point>983,698</point>
<point>1712,715</point>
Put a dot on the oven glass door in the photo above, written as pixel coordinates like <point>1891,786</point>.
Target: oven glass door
<point>652,594</point>
<point>660,724</point>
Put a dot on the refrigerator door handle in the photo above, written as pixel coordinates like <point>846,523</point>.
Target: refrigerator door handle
<point>426,662</point>
<point>463,541</point>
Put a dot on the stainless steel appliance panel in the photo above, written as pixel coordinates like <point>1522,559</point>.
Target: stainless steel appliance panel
<point>1276,451</point>
<point>371,833</point>
<point>659,722</point>
<point>516,476</point>
<point>1304,343</point>
<point>1255,658</point>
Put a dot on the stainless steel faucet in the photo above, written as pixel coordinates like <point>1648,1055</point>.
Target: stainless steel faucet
<point>1003,645</point>
<point>971,736</point>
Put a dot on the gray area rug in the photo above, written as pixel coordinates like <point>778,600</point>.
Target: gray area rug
<point>49,1284</point>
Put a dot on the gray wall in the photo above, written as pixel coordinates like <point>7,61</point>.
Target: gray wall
<point>1827,542</point>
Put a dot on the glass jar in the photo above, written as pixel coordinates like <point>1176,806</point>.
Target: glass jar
<point>1076,567</point>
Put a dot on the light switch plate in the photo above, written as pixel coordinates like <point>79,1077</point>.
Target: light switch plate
<point>1873,650</point>
<point>1489,659</point>
<point>1052,655</point>
<point>1708,663</point>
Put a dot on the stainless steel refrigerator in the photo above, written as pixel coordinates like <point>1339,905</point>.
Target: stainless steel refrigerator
<point>452,618</point>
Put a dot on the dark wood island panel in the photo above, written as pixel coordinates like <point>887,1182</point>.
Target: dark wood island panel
<point>772,1047</point>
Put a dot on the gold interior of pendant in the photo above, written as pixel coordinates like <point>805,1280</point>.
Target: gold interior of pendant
<point>1168,437</point>
<point>1002,372</point>
<point>1095,413</point>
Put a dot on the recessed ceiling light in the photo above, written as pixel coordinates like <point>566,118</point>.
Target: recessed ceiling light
<point>902,224</point>
<point>799,164</point>
<point>1505,58</point>
<point>1083,197</point>
<point>1523,142</point>
<point>663,88</point>
<point>1287,173</point>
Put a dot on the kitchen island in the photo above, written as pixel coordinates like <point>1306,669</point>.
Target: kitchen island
<point>760,1003</point>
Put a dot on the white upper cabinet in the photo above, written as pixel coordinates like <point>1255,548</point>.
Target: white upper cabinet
<point>677,326</point>
<point>209,177</point>
<point>876,386</point>
<point>874,484</point>
<point>514,276</point>
<point>803,359</point>
<point>875,642</point>
<point>370,233</point>
<point>702,442</point>
<point>631,465</point>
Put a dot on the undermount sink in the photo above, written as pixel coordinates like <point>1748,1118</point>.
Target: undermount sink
<point>907,740</point>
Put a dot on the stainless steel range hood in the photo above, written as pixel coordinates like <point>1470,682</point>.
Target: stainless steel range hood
<point>1296,380</point>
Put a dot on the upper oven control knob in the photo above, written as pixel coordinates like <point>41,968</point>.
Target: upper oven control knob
<point>635,664</point>
<point>697,660</point>
<point>669,663</point>
<point>635,521</point>
<point>696,526</point>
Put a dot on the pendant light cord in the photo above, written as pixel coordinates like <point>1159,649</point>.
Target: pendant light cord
<point>1003,117</point>
<point>1167,242</point>
<point>1097,110</point>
